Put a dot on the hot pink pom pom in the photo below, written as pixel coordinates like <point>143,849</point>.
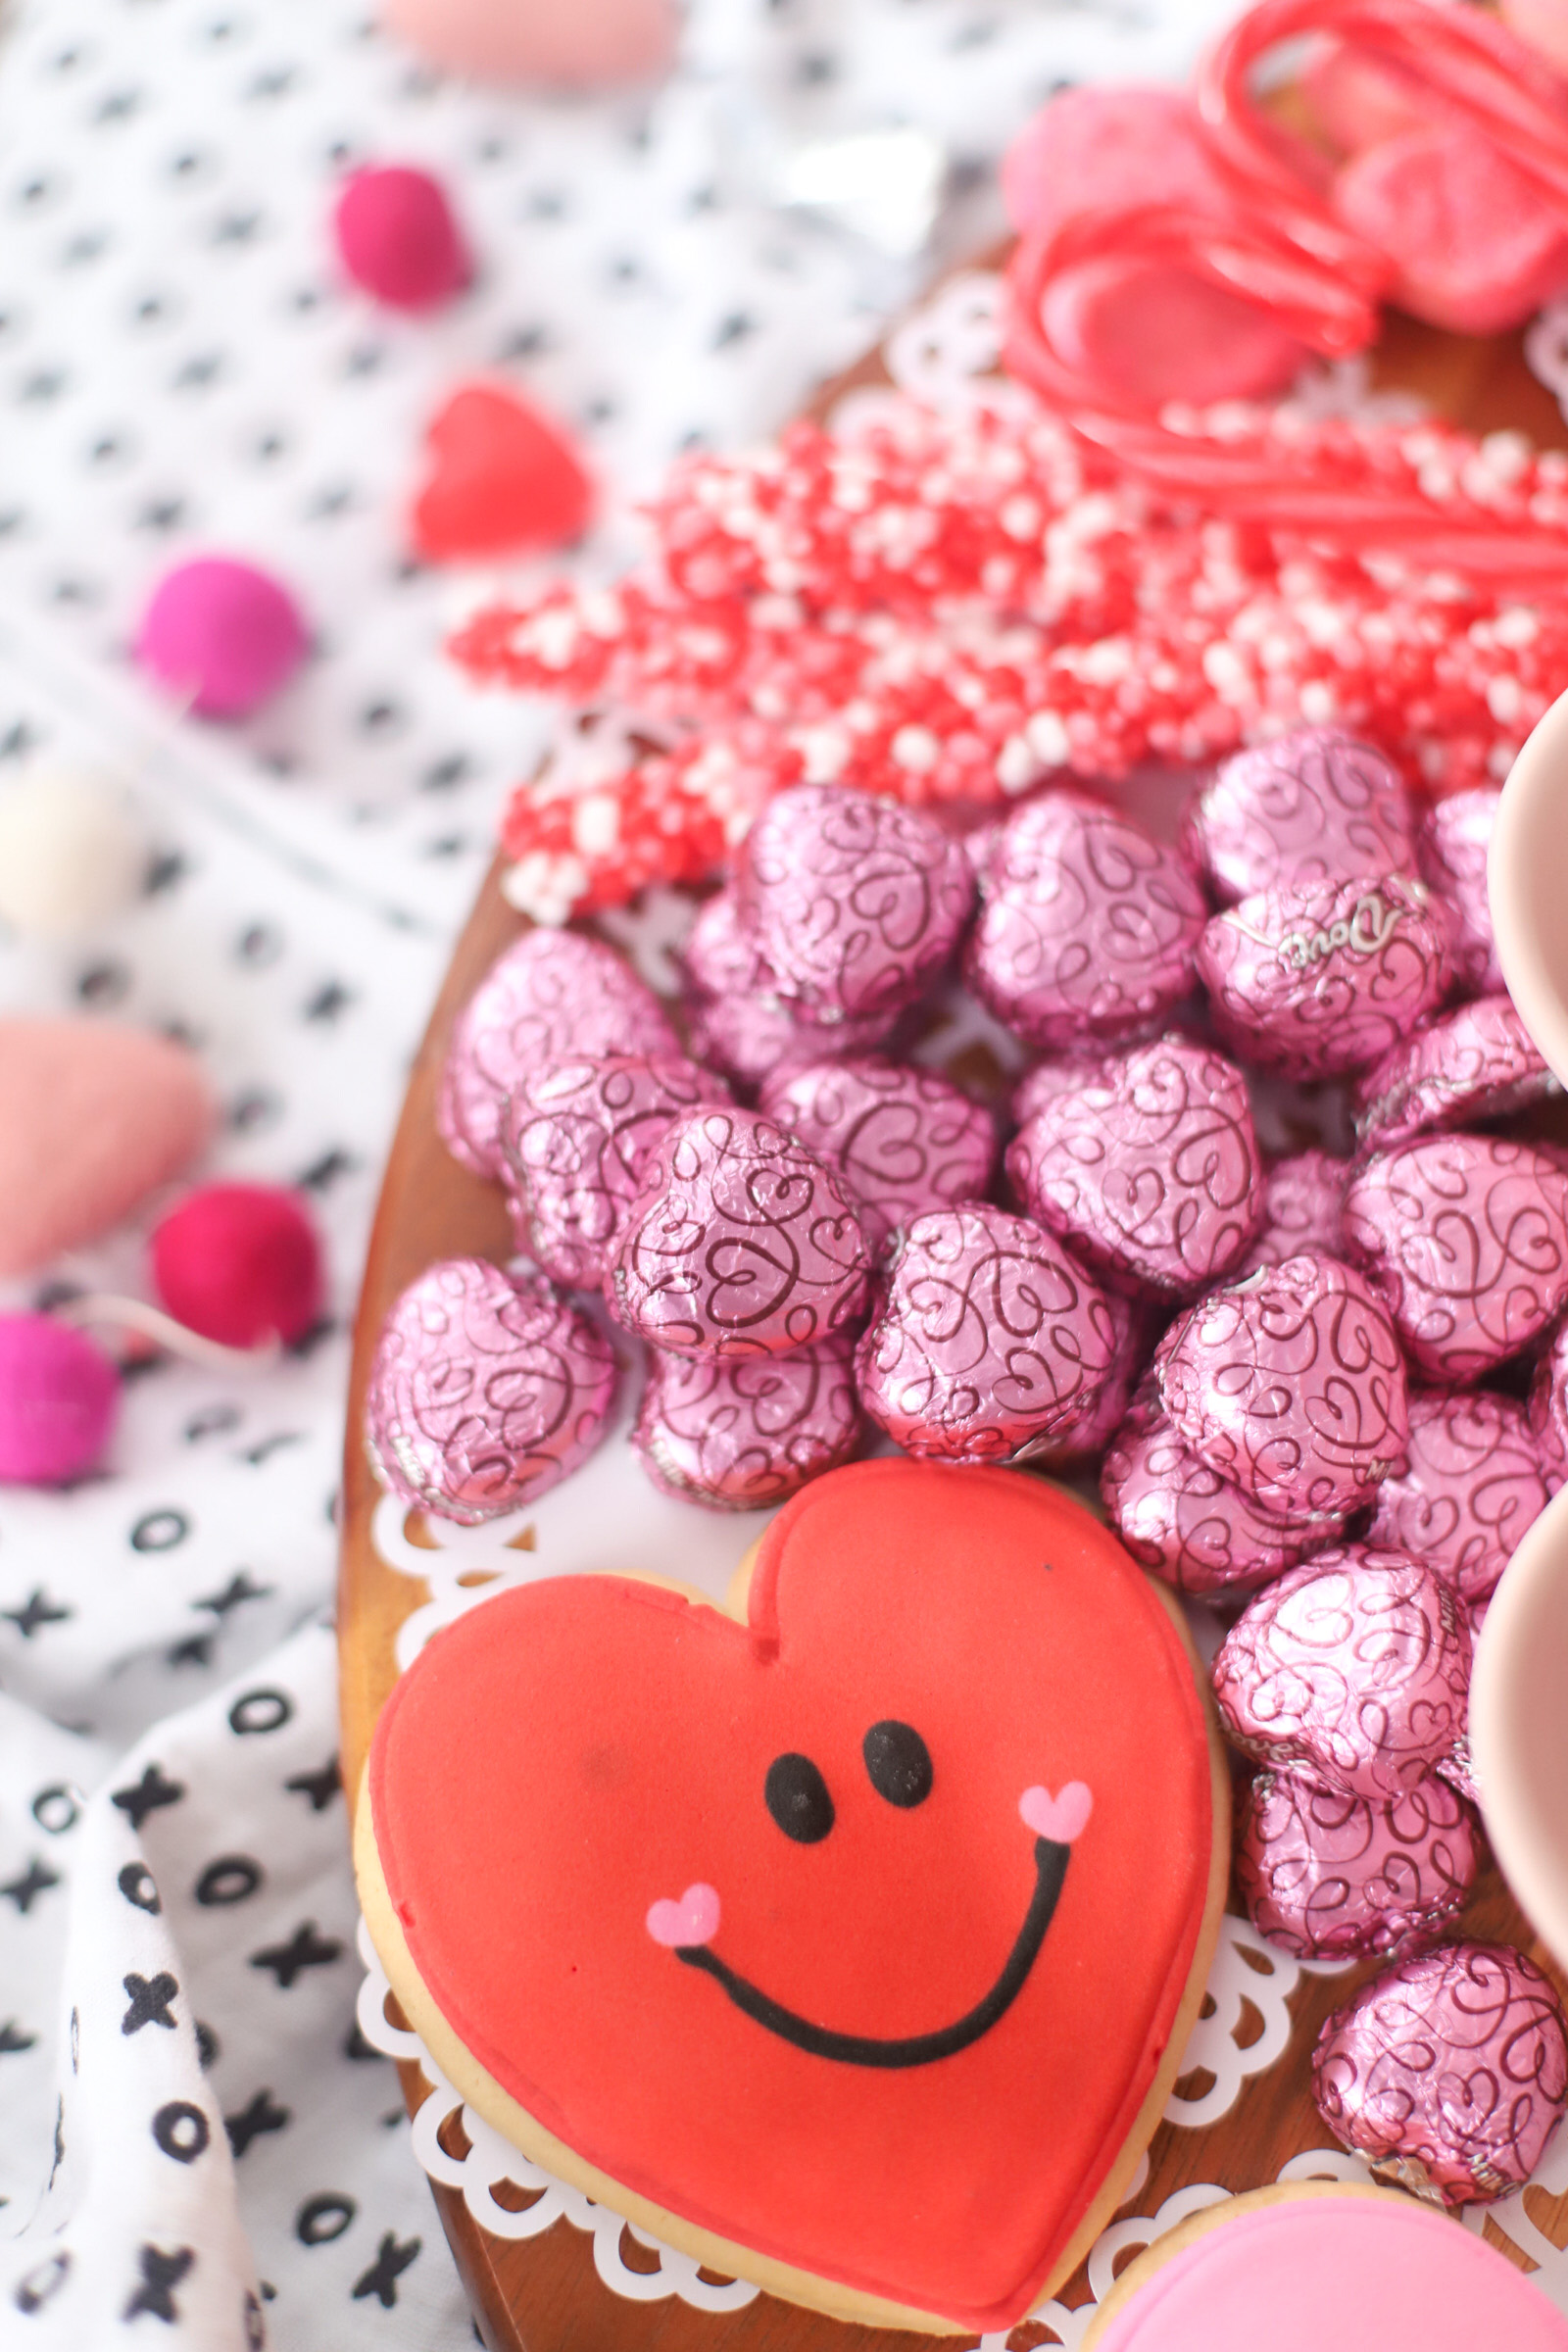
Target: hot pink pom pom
<point>58,1398</point>
<point>398,239</point>
<point>240,1263</point>
<point>223,633</point>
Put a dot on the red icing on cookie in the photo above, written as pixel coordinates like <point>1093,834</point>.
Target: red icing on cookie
<point>826,1932</point>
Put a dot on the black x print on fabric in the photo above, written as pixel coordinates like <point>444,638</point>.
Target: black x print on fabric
<point>160,2273</point>
<point>149,2001</point>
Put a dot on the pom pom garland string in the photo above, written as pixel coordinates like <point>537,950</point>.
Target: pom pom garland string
<point>104,1310</point>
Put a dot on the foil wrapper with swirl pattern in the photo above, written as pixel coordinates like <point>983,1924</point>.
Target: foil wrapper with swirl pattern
<point>1135,1326</point>
<point>1303,1203</point>
<point>1449,2073</point>
<point>902,1141</point>
<point>1355,1665</point>
<point>738,1022</point>
<point>743,1436</point>
<point>550,993</point>
<point>1548,1411</point>
<point>1183,1521</point>
<point>1150,1169</point>
<point>1472,1484</point>
<point>1319,980</point>
<point>1087,928</point>
<point>739,1243</point>
<point>1316,805</point>
<point>855,903</point>
<point>576,1136</point>
<point>1475,1063</point>
<point>1292,1385</point>
<point>486,1389</point>
<point>1330,1876</point>
<point>1466,1237</point>
<point>1452,852</point>
<point>991,1343</point>
<point>1048,1079</point>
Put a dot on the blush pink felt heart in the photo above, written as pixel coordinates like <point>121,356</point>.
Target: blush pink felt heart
<point>505,478</point>
<point>693,1921</point>
<point>92,1119</point>
<point>1061,1818</point>
<point>590,45</point>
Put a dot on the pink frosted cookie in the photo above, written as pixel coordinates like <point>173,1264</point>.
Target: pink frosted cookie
<point>1474,1482</point>
<point>1318,2265</point>
<point>1292,1385</point>
<point>1087,927</point>
<point>550,993</point>
<point>1331,1877</point>
<point>901,1140</point>
<point>1455,836</point>
<point>1476,1063</point>
<point>1316,980</point>
<point>856,904</point>
<point>1318,806</point>
<point>1355,1665</point>
<point>739,1243</point>
<point>1466,1237</point>
<point>990,1344</point>
<point>1150,1169</point>
<point>743,1436</point>
<point>1449,2073</point>
<point>576,1136</point>
<point>487,1387</point>
<point>1182,1520</point>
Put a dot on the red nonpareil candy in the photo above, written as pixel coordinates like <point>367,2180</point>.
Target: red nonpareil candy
<point>506,479</point>
<point>239,1264</point>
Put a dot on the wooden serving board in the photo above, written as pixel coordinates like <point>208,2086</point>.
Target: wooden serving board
<point>543,2295</point>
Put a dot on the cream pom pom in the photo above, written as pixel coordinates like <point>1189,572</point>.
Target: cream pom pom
<point>70,854</point>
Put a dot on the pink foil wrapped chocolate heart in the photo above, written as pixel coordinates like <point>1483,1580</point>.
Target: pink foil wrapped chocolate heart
<point>1292,1385</point>
<point>739,1023</point>
<point>487,1387</point>
<point>1317,980</point>
<point>1466,1237</point>
<point>1455,836</point>
<point>1135,1326</point>
<point>1182,1520</point>
<point>1330,1876</point>
<point>1304,1201</point>
<point>1448,2071</point>
<point>1355,1665</point>
<point>1087,927</point>
<point>1150,1169</point>
<point>739,1243</point>
<point>990,1344</point>
<point>550,993</point>
<point>743,1436</point>
<point>1316,805</point>
<point>1048,1079</point>
<point>1548,1411</point>
<point>855,903</point>
<point>901,1140</point>
<point>576,1135</point>
<point>1474,1482</point>
<point>1477,1062</point>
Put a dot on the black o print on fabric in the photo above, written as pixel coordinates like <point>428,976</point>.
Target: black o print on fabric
<point>259,1711</point>
<point>57,1809</point>
<point>181,2130</point>
<point>229,1879</point>
<point>138,1886</point>
<point>160,2273</point>
<point>321,2220</point>
<point>42,2283</point>
<point>160,1531</point>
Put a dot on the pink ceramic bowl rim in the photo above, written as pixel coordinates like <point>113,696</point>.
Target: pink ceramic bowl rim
<point>1519,1725</point>
<point>1527,882</point>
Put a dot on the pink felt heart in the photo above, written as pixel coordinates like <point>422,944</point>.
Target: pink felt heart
<point>591,45</point>
<point>691,1921</point>
<point>1061,1817</point>
<point>92,1118</point>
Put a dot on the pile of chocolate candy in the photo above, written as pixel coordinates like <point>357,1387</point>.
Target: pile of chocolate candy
<point>1284,1373</point>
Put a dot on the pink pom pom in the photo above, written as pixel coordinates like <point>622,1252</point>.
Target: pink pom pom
<point>239,1264</point>
<point>398,239</point>
<point>223,633</point>
<point>58,1398</point>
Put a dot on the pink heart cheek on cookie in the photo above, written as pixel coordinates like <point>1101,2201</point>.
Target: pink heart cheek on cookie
<point>811,1930</point>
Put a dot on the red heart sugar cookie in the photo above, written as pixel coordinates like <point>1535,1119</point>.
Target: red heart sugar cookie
<point>805,1942</point>
<point>505,478</point>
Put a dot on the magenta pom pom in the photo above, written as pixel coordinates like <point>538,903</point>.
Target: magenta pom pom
<point>223,633</point>
<point>239,1264</point>
<point>58,1398</point>
<point>397,237</point>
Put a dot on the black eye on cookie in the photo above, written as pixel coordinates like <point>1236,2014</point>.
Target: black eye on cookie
<point>899,1763</point>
